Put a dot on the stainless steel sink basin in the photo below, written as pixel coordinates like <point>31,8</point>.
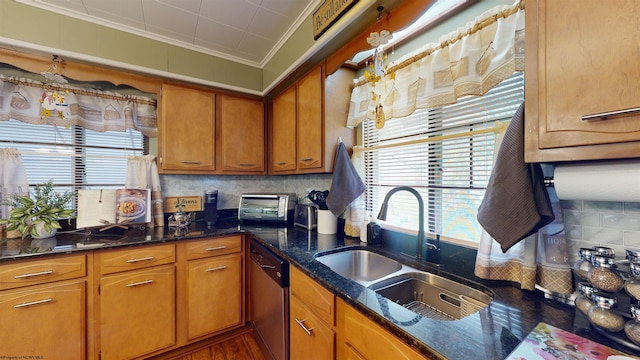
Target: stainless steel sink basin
<point>432,295</point>
<point>362,266</point>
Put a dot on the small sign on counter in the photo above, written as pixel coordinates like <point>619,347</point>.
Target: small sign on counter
<point>174,204</point>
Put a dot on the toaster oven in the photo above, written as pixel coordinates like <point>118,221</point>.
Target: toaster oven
<point>275,207</point>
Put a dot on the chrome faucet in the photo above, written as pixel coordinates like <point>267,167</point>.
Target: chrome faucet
<point>382,215</point>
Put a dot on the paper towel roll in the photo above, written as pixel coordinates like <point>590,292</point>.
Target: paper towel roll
<point>599,181</point>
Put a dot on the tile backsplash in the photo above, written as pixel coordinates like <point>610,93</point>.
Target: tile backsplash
<point>230,188</point>
<point>603,223</point>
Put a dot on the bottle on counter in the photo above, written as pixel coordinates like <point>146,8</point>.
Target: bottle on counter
<point>632,327</point>
<point>603,275</point>
<point>632,285</point>
<point>601,315</point>
<point>583,265</point>
<point>584,301</point>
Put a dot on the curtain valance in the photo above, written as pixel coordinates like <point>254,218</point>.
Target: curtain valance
<point>469,61</point>
<point>34,102</point>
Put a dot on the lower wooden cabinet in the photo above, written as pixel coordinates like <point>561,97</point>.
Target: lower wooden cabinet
<point>44,321</point>
<point>360,338</point>
<point>310,337</point>
<point>312,319</point>
<point>214,294</point>
<point>137,312</point>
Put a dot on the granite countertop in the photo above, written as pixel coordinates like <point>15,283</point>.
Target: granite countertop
<point>491,333</point>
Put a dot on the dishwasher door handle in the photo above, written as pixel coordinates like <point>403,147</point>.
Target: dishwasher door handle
<point>306,329</point>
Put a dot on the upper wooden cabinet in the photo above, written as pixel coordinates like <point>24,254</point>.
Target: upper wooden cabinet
<point>202,132</point>
<point>306,121</point>
<point>241,135</point>
<point>582,80</point>
<point>186,131</point>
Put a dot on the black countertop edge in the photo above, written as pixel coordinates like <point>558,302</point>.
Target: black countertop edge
<point>491,333</point>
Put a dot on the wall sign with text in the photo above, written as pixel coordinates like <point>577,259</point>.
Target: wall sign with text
<point>328,13</point>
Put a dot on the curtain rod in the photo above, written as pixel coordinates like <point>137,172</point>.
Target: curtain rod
<point>498,127</point>
<point>86,92</point>
<point>475,28</point>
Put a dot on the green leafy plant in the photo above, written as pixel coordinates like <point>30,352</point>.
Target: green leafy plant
<point>46,207</point>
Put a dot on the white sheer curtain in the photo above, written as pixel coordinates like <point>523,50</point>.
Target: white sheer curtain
<point>142,172</point>
<point>469,61</point>
<point>34,102</point>
<point>355,214</point>
<point>13,177</point>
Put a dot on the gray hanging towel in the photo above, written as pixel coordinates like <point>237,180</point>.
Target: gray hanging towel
<point>516,203</point>
<point>346,184</point>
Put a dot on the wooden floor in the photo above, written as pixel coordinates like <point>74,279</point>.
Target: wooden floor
<point>241,346</point>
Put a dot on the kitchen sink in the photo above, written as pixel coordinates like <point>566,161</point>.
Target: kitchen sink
<point>362,266</point>
<point>433,296</point>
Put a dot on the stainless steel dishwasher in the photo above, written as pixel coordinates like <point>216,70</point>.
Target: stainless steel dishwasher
<point>270,299</point>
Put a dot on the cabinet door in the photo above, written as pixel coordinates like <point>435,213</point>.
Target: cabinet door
<point>47,321</point>
<point>187,129</point>
<point>310,338</point>
<point>241,135</point>
<point>360,337</point>
<point>310,124</point>
<point>214,294</point>
<point>582,60</point>
<point>137,312</point>
<point>283,132</point>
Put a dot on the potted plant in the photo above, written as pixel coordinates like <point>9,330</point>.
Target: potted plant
<point>40,214</point>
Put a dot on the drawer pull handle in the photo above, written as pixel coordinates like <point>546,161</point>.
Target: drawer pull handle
<point>605,115</point>
<point>191,162</point>
<point>246,164</point>
<point>37,302</point>
<point>262,266</point>
<point>306,159</point>
<point>140,259</point>
<point>306,329</point>
<point>23,276</point>
<point>216,268</point>
<point>146,282</point>
<point>282,163</point>
<point>216,248</point>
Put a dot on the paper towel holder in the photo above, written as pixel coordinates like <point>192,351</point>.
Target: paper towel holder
<point>548,181</point>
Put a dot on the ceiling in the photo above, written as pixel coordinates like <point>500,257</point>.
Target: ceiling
<point>244,31</point>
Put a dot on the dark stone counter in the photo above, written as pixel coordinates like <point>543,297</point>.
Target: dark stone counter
<point>492,333</point>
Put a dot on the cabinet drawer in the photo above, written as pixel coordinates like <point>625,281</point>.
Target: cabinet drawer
<point>135,258</point>
<point>213,246</point>
<point>318,299</point>
<point>32,272</point>
<point>310,337</point>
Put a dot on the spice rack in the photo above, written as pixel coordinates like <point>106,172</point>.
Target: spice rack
<point>623,300</point>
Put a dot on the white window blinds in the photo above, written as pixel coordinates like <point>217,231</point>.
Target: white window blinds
<point>439,153</point>
<point>75,158</point>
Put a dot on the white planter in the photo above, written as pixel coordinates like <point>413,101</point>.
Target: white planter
<point>42,233</point>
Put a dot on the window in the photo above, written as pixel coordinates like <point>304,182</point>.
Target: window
<point>449,169</point>
<point>75,158</point>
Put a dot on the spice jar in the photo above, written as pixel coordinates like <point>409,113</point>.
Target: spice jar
<point>633,255</point>
<point>582,266</point>
<point>584,301</point>
<point>632,285</point>
<point>601,315</point>
<point>632,327</point>
<point>603,275</point>
<point>604,251</point>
